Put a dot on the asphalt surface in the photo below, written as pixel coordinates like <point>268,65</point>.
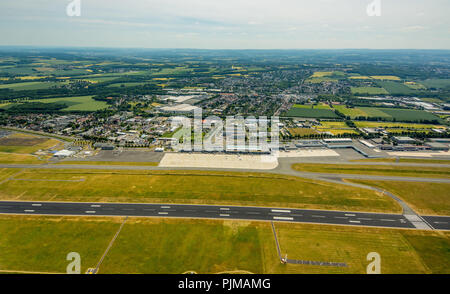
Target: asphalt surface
<point>214,212</point>
<point>438,222</point>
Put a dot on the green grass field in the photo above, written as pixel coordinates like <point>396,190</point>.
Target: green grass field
<point>194,187</point>
<point>31,85</point>
<point>381,170</point>
<point>119,85</point>
<point>425,198</point>
<point>402,115</point>
<point>401,251</point>
<point>368,90</point>
<point>309,111</point>
<point>81,103</point>
<point>437,83</point>
<point>405,160</point>
<point>396,88</point>
<point>149,245</point>
<point>41,244</point>
<point>8,158</point>
<point>373,124</point>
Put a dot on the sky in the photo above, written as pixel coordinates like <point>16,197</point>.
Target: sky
<point>227,24</point>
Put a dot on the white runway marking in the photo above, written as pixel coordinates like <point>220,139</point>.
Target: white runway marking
<point>283,218</point>
<point>90,211</point>
<point>95,205</point>
<point>282,211</point>
<point>163,213</point>
<point>28,210</point>
<point>224,208</point>
<point>36,204</point>
<point>165,207</point>
<point>350,214</point>
<point>356,222</point>
<point>224,215</point>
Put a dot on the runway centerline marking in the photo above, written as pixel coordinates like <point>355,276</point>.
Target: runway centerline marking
<point>279,210</point>
<point>90,211</point>
<point>164,213</point>
<point>29,210</point>
<point>36,204</point>
<point>282,218</point>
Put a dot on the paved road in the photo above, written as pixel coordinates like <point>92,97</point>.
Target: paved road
<point>438,222</point>
<point>212,212</point>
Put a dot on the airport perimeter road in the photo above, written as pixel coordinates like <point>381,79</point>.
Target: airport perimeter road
<point>212,212</point>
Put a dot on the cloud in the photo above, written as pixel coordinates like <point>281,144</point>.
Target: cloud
<point>292,23</point>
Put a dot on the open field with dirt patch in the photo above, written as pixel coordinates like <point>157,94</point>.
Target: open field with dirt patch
<point>25,143</point>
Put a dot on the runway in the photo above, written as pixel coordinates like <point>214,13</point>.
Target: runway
<point>216,212</point>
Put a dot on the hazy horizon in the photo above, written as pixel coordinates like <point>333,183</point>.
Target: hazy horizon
<point>227,25</point>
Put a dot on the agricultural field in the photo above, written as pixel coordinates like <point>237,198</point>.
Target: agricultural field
<point>325,76</point>
<point>415,86</point>
<point>382,124</point>
<point>368,90</point>
<point>301,131</point>
<point>335,128</point>
<point>361,111</point>
<point>193,187</point>
<point>31,85</point>
<point>81,103</point>
<point>310,111</point>
<point>40,244</point>
<point>395,88</point>
<point>386,78</point>
<point>425,198</point>
<point>403,115</point>
<point>125,85</point>
<point>380,170</point>
<point>437,83</point>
